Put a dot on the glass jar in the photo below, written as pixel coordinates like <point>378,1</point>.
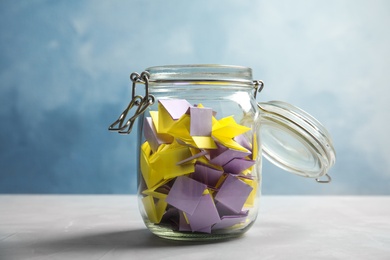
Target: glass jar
<point>201,138</point>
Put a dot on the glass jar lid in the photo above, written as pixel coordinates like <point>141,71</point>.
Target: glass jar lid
<point>295,141</point>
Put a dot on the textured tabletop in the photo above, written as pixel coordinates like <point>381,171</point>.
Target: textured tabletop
<point>110,227</point>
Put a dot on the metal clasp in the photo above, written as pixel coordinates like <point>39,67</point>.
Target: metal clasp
<point>258,85</point>
<point>140,102</point>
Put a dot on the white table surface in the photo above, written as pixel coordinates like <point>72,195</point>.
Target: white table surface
<point>110,227</point>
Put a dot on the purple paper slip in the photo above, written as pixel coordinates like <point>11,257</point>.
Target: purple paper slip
<point>175,107</point>
<point>233,193</point>
<point>185,194</point>
<point>223,155</point>
<point>237,165</point>
<point>206,174</point>
<point>183,225</point>
<point>205,214</point>
<point>205,230</point>
<point>225,211</point>
<point>201,121</point>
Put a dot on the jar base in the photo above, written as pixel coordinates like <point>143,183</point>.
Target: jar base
<point>168,233</point>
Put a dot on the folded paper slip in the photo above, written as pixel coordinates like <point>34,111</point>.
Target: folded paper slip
<point>186,194</point>
<point>233,193</point>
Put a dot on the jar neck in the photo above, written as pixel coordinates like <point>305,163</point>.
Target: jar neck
<point>201,74</point>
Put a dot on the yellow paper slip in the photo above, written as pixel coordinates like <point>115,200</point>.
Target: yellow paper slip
<point>151,177</point>
<point>254,147</point>
<point>152,191</point>
<point>181,128</point>
<point>228,128</point>
<point>204,142</point>
<point>165,163</point>
<point>166,137</point>
<point>154,211</point>
<point>164,121</point>
<point>230,143</point>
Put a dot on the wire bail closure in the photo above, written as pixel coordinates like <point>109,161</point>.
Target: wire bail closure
<point>258,85</point>
<point>138,101</point>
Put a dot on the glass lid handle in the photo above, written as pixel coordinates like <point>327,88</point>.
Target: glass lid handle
<point>328,179</point>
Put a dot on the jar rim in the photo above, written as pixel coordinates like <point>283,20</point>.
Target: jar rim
<point>200,72</point>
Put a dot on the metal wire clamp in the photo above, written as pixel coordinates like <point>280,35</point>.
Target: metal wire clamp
<point>258,85</point>
<point>140,102</point>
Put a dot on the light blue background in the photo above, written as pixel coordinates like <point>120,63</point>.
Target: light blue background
<point>65,66</point>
